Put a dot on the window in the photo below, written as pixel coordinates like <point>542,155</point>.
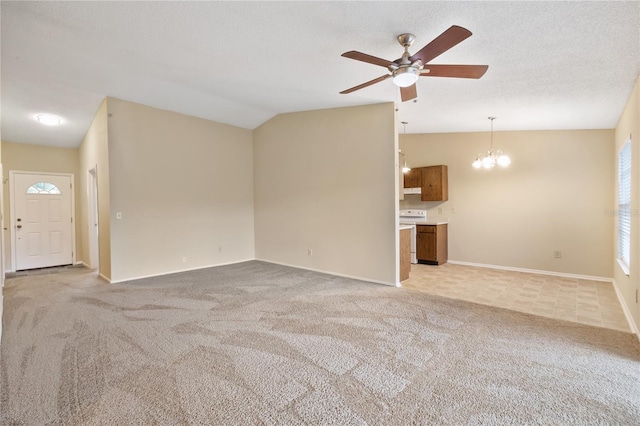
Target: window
<point>624,206</point>
<point>43,188</point>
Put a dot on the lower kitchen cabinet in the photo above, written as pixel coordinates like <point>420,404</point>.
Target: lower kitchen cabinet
<point>431,244</point>
<point>405,254</point>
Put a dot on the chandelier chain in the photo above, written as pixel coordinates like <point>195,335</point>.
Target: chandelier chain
<point>492,118</point>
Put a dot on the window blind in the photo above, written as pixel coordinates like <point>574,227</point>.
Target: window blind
<point>624,204</point>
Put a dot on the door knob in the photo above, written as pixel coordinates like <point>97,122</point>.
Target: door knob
<point>19,226</point>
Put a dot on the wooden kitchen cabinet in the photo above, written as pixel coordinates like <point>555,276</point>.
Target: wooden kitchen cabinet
<point>435,183</point>
<point>413,178</point>
<point>432,247</point>
<point>405,254</point>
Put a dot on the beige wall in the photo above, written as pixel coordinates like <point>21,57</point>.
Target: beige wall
<point>2,248</point>
<point>629,124</point>
<point>554,196</point>
<point>325,180</point>
<point>35,158</point>
<point>93,153</point>
<point>184,186</point>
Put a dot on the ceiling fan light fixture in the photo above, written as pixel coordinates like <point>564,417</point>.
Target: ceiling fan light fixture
<point>405,77</point>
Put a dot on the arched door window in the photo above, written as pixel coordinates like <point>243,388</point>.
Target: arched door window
<point>43,188</point>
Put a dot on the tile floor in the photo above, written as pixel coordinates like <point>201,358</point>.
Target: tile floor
<point>570,299</point>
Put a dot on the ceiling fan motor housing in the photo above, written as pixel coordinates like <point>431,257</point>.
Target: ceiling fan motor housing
<point>406,39</point>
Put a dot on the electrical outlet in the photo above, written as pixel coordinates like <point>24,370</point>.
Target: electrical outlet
<point>557,254</point>
<point>118,215</point>
<point>184,259</point>
<point>440,210</point>
<point>310,252</point>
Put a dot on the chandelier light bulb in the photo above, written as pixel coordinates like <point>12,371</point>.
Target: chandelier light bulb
<point>487,162</point>
<point>504,160</point>
<point>477,164</point>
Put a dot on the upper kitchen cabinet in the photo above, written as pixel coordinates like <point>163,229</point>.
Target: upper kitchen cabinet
<point>413,178</point>
<point>435,183</point>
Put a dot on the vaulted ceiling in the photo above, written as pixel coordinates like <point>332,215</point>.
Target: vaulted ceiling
<point>552,65</point>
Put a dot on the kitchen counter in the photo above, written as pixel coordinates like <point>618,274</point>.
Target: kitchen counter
<point>405,227</point>
<point>435,222</point>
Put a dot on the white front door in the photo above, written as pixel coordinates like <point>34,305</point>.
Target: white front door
<point>41,220</point>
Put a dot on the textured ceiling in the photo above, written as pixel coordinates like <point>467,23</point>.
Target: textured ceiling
<point>552,65</point>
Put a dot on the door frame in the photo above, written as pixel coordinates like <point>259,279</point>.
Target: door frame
<point>92,218</point>
<point>3,220</point>
<point>12,173</point>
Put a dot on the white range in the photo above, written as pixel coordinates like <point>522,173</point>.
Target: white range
<point>412,218</point>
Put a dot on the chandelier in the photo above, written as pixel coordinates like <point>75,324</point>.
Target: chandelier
<point>492,157</point>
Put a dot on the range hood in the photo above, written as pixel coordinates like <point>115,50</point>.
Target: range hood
<point>412,191</point>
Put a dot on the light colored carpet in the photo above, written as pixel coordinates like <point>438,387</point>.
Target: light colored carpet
<point>256,343</point>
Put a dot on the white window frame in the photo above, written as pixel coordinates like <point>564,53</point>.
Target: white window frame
<point>623,254</point>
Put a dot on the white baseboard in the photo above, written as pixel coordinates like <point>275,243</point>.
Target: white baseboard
<point>174,272</point>
<point>353,277</point>
<point>627,311</point>
<point>533,271</point>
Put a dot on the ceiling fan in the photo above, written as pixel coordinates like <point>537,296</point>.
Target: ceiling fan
<point>406,69</point>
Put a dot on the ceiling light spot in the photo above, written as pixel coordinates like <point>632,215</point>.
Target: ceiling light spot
<point>49,119</point>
